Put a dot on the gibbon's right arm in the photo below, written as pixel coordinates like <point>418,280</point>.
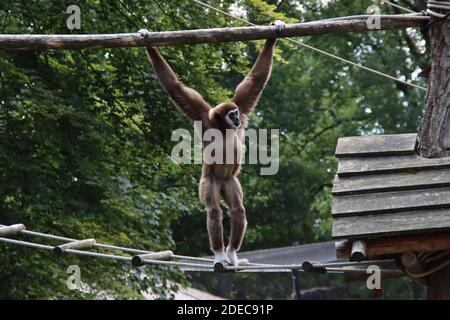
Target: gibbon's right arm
<point>187,99</point>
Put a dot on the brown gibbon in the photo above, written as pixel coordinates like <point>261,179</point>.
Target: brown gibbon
<point>219,180</point>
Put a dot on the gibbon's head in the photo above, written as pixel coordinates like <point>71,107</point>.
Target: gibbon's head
<point>228,112</point>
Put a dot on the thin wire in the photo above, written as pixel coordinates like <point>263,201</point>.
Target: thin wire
<point>358,65</point>
<point>398,6</point>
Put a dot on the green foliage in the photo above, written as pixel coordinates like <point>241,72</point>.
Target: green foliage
<point>85,138</point>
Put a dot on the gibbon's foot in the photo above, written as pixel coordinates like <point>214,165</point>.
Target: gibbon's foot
<point>281,25</point>
<point>232,256</point>
<point>144,33</point>
<point>220,256</point>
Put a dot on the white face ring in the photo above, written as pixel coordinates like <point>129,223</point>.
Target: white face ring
<point>232,118</point>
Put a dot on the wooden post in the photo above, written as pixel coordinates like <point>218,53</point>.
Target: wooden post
<point>434,134</point>
<point>139,260</point>
<point>76,245</point>
<point>359,249</point>
<point>11,230</point>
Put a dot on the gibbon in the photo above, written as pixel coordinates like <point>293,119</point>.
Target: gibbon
<point>220,179</point>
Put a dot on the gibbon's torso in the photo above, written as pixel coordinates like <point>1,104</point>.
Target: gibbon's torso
<point>231,163</point>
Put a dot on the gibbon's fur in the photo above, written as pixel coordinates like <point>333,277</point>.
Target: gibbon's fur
<point>220,180</point>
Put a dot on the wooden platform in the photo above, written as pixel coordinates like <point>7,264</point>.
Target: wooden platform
<point>382,188</point>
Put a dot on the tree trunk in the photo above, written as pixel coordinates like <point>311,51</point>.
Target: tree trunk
<point>434,133</point>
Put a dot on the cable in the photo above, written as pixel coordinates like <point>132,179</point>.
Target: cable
<point>319,50</point>
<point>397,6</point>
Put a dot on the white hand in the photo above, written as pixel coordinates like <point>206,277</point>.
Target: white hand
<point>144,33</point>
<point>281,25</point>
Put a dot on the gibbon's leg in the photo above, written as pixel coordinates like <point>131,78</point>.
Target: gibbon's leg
<point>233,196</point>
<point>209,190</point>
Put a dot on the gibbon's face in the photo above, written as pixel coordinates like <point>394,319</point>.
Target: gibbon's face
<point>232,118</point>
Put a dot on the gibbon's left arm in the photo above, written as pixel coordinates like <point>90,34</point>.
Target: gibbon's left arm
<point>249,90</point>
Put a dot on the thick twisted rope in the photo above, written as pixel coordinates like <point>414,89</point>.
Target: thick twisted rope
<point>205,266</point>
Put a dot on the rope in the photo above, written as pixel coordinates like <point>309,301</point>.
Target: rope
<point>358,65</point>
<point>443,5</point>
<point>183,265</point>
<point>427,257</point>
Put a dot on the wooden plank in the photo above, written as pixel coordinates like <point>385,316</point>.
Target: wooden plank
<point>357,227</point>
<point>391,202</point>
<point>363,165</point>
<point>391,182</point>
<point>401,243</point>
<point>389,144</point>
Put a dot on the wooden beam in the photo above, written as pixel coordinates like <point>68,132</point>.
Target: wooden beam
<point>165,38</point>
<point>399,244</point>
<point>427,242</point>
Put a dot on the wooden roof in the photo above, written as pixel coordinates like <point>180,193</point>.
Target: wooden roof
<point>382,188</point>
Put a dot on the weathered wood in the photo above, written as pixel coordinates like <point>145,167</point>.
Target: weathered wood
<point>391,182</point>
<point>381,145</point>
<point>387,245</point>
<point>343,249</point>
<point>434,133</point>
<point>11,230</point>
<point>411,222</point>
<point>359,250</point>
<point>391,202</point>
<point>78,245</point>
<point>376,165</point>
<point>222,266</point>
<point>45,42</point>
<point>139,260</point>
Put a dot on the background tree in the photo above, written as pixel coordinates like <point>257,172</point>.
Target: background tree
<point>85,138</point>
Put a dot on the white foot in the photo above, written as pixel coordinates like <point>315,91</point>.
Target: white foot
<point>144,33</point>
<point>232,256</point>
<point>220,256</point>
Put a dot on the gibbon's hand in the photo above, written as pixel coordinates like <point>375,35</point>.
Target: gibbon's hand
<point>144,33</point>
<point>281,25</point>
